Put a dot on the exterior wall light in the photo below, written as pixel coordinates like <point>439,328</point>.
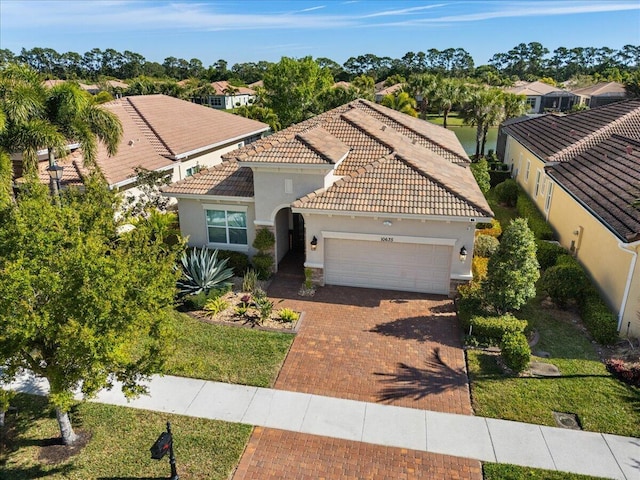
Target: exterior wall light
<point>314,243</point>
<point>387,223</point>
<point>463,253</point>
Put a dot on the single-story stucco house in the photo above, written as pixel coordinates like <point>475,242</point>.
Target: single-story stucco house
<point>163,134</point>
<point>583,172</point>
<point>600,94</point>
<point>372,197</point>
<point>543,97</point>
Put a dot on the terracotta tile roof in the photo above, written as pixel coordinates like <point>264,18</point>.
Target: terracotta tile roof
<point>390,90</point>
<point>392,186</point>
<point>225,179</point>
<point>181,127</point>
<point>556,138</point>
<point>221,86</point>
<point>72,175</point>
<point>606,180</point>
<point>136,148</point>
<point>601,88</point>
<point>533,89</point>
<point>324,144</point>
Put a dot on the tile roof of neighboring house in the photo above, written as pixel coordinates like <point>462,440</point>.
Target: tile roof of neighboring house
<point>254,85</point>
<point>606,180</point>
<point>116,84</point>
<point>533,89</point>
<point>221,87</point>
<point>52,83</point>
<point>376,142</point>
<point>602,88</point>
<point>390,90</point>
<point>556,138</point>
<point>225,179</point>
<point>178,128</point>
<point>342,84</point>
<point>73,172</point>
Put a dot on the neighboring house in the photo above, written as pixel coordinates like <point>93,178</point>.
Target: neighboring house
<point>542,97</point>
<point>600,94</point>
<point>227,96</point>
<point>392,90</point>
<point>163,133</point>
<point>372,197</point>
<point>583,172</point>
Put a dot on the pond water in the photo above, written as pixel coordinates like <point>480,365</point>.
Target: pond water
<point>467,137</point>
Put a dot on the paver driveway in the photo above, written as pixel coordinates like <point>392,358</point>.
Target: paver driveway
<point>372,345</point>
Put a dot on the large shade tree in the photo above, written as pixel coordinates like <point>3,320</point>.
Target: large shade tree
<point>82,306</point>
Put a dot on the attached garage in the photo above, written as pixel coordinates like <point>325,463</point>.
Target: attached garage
<point>389,263</point>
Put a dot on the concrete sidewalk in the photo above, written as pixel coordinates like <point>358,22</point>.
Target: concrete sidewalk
<point>480,438</point>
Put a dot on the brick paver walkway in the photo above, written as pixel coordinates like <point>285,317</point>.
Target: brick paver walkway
<point>395,348</point>
<point>289,455</point>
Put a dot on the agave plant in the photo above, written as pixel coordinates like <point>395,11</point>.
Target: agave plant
<point>202,271</point>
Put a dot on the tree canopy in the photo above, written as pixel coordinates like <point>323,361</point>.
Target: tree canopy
<point>82,306</point>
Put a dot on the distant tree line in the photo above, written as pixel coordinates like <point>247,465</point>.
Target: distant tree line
<point>524,61</point>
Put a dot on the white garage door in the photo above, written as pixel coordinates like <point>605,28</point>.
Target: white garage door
<point>396,266</point>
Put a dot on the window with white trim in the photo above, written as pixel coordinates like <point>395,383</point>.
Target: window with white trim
<point>537,188</point>
<point>526,172</point>
<point>216,101</point>
<point>547,201</point>
<point>226,226</point>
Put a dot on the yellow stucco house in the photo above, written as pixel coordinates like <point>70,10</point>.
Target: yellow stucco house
<point>583,172</point>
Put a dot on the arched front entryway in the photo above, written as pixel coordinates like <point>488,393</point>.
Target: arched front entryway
<point>290,239</point>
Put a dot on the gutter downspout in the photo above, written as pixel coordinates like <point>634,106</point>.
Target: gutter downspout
<point>627,287</point>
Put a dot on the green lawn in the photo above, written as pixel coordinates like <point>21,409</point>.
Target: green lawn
<point>119,447</point>
<point>602,403</point>
<point>453,120</point>
<point>501,471</point>
<point>227,354</point>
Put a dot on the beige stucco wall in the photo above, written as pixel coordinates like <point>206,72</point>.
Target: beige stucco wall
<point>194,226</point>
<point>597,249</point>
<point>520,157</point>
<point>270,186</point>
<point>462,232</point>
<point>205,159</point>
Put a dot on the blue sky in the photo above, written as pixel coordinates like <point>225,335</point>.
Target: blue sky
<point>248,31</point>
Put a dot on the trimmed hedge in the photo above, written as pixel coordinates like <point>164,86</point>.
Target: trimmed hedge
<point>238,261</point>
<point>548,253</point>
<point>479,267</point>
<point>493,229</point>
<point>515,351</point>
<point>485,245</point>
<point>598,318</point>
<point>263,263</point>
<point>565,282</point>
<point>527,209</point>
<point>492,329</point>
<point>507,192</point>
<point>469,303</point>
<point>497,177</point>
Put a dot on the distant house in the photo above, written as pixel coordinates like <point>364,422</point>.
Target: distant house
<point>542,97</point>
<point>226,96</point>
<point>392,90</point>
<point>600,94</point>
<point>162,133</point>
<point>368,196</point>
<point>582,170</point>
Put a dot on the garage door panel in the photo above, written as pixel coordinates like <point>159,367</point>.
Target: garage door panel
<point>397,266</point>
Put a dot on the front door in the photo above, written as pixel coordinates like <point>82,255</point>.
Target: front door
<point>297,234</point>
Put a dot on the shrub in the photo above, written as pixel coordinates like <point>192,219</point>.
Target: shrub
<point>480,171</point>
<point>308,276</point>
<point>499,175</point>
<point>264,240</point>
<point>507,192</point>
<point>288,315</point>
<point>238,261</point>
<point>563,283</point>
<point>479,268</point>
<point>626,372</point>
<point>215,306</point>
<point>195,302</point>
<point>485,245</point>
<point>263,263</point>
<point>264,307</point>
<point>249,281</point>
<point>469,303</point>
<point>241,309</point>
<point>202,271</point>
<point>515,351</point>
<point>598,318</point>
<point>493,229</point>
<point>513,269</point>
<point>548,253</point>
<point>527,209</point>
<point>492,329</point>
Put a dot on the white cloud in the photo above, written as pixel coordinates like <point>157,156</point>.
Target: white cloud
<point>403,11</point>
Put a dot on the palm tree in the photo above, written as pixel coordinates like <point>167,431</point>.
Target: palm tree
<point>482,109</point>
<point>401,102</point>
<point>514,105</point>
<point>446,95</point>
<point>421,87</point>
